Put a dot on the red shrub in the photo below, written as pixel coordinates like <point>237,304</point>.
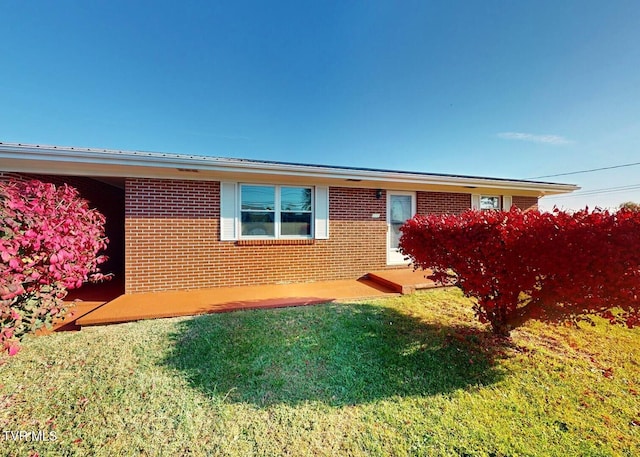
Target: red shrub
<point>519,265</point>
<point>49,242</point>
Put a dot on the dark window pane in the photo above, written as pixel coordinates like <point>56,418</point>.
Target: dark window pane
<point>258,198</point>
<point>295,224</point>
<point>258,224</point>
<point>295,199</point>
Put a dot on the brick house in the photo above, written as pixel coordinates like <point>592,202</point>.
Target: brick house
<point>188,222</point>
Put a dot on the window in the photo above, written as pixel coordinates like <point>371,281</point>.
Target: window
<point>488,202</point>
<point>295,211</point>
<point>259,211</point>
<point>275,211</point>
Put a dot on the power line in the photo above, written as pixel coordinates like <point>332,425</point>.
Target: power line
<point>609,189</point>
<point>605,190</point>
<point>587,171</point>
<point>596,192</point>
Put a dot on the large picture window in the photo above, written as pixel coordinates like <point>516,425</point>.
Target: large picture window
<point>275,211</point>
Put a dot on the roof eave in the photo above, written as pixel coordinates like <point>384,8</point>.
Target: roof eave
<point>24,158</point>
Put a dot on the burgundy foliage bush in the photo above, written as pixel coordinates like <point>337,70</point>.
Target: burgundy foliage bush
<point>49,242</point>
<point>557,266</point>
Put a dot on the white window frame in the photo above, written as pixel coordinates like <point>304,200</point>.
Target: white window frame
<point>277,213</point>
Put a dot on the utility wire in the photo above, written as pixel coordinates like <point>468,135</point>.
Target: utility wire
<point>587,171</point>
<point>605,190</point>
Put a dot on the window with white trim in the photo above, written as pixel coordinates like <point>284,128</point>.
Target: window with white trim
<point>276,211</point>
<point>489,202</point>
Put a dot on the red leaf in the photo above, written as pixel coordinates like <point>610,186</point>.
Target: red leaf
<point>558,266</point>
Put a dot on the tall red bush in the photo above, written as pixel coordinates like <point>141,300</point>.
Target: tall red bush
<point>517,265</point>
<point>49,242</point>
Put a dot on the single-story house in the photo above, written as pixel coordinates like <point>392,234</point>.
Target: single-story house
<point>187,222</point>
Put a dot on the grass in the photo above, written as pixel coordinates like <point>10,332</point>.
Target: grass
<point>413,375</point>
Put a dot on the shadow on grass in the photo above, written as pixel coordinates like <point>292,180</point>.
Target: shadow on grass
<point>338,354</point>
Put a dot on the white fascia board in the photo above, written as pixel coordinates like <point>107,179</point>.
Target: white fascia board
<point>143,164</point>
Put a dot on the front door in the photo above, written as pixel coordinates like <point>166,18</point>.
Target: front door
<point>400,207</point>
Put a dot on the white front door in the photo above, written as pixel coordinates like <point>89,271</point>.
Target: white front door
<point>400,207</point>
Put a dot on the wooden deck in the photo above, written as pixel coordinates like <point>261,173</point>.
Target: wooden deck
<point>403,280</point>
<point>132,307</point>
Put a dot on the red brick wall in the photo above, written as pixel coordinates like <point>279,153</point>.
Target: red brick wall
<point>5,176</point>
<point>525,203</point>
<point>173,240</point>
<point>171,234</point>
<point>456,203</point>
<point>442,202</point>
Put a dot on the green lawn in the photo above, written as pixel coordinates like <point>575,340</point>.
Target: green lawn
<point>413,375</point>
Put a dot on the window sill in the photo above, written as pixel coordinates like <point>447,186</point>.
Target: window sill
<point>278,242</point>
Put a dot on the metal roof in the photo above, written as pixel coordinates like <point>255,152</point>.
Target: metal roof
<point>109,162</point>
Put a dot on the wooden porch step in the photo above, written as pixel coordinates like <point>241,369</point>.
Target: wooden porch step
<point>404,280</point>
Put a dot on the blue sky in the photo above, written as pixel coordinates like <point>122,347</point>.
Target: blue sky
<point>515,89</point>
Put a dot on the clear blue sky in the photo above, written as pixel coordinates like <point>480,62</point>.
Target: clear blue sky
<point>514,89</point>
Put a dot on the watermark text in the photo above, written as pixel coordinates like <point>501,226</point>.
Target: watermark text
<point>28,435</point>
